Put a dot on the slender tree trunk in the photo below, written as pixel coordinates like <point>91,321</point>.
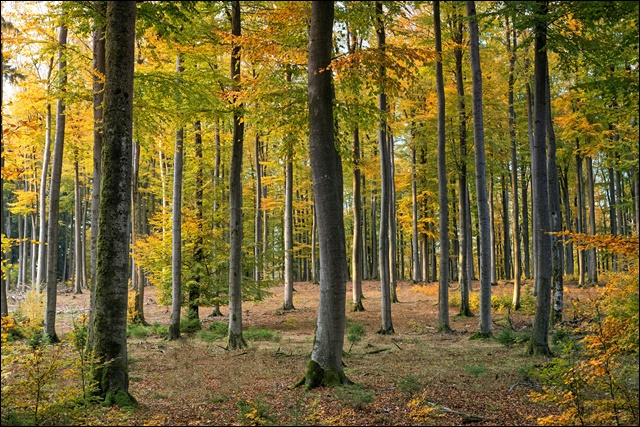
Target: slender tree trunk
<point>517,263</point>
<point>288,235</point>
<point>385,181</point>
<point>564,179</point>
<point>42,248</point>
<point>54,195</point>
<point>416,274</point>
<point>506,250</point>
<point>257,234</point>
<point>593,261</point>
<point>612,212</point>
<point>78,284</point>
<point>215,312</point>
<point>356,250</point>
<point>325,366</point>
<point>484,327</point>
<point>443,287</point>
<point>235,339</point>
<point>492,234</point>
<point>393,264</point>
<point>137,280</point>
<point>176,228</point>
<point>110,333</point>
<point>539,342</point>
<point>580,218</point>
<point>314,233</point>
<point>374,238</point>
<point>198,252</point>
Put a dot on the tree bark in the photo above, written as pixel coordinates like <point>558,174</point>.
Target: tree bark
<point>593,261</point>
<point>325,366</point>
<point>98,96</point>
<point>539,342</point>
<point>54,195</point>
<point>78,284</point>
<point>176,228</point>
<point>385,191</point>
<point>288,234</point>
<point>416,274</point>
<point>356,249</point>
<point>235,339</point>
<point>484,327</point>
<point>443,201</point>
<point>110,332</point>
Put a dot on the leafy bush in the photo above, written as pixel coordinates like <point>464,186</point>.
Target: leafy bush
<point>594,380</point>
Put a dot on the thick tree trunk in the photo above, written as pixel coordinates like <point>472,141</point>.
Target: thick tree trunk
<point>110,332</point>
<point>539,342</point>
<point>443,287</point>
<point>555,210</point>
<point>484,327</point>
<point>325,366</point>
<point>54,195</point>
<point>235,339</point>
<point>98,96</point>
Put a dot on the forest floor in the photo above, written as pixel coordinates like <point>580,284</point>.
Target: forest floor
<point>418,376</point>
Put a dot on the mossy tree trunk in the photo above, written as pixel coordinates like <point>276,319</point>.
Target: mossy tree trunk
<point>110,325</point>
<point>325,366</point>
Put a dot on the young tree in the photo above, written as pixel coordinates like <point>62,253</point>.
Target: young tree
<point>484,327</point>
<point>235,339</point>
<point>325,366</point>
<point>443,289</point>
<point>110,324</point>
<point>54,194</point>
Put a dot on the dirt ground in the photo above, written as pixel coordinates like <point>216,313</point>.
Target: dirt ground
<point>398,377</point>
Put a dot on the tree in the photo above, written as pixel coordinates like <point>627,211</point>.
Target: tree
<point>176,235</point>
<point>542,277</point>
<point>385,184</point>
<point>235,339</point>
<point>325,366</point>
<point>110,324</point>
<point>443,288</point>
<point>54,195</point>
<point>484,327</point>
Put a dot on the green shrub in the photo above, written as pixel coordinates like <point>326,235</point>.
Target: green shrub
<point>256,334</point>
<point>136,330</point>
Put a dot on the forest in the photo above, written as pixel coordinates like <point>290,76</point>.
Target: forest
<point>320,213</point>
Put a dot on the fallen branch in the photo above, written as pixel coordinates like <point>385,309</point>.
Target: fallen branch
<point>380,350</point>
<point>466,418</point>
<point>394,343</point>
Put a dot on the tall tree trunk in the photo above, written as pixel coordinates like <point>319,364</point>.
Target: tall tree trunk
<point>98,86</point>
<point>612,212</point>
<point>506,249</point>
<point>325,366</point>
<point>416,273</point>
<point>356,249</point>
<point>539,342</point>
<point>374,237</point>
<point>110,326</point>
<point>198,252</point>
<point>443,287</point>
<point>555,210</point>
<point>385,181</point>
<point>137,279</point>
<point>580,217</point>
<point>288,234</point>
<point>257,230</point>
<point>525,223</point>
<point>42,211</point>
<point>215,311</point>
<point>492,234</point>
<point>484,327</point>
<point>593,261</point>
<point>176,228</point>
<point>393,264</point>
<point>54,195</point>
<point>464,279</point>
<point>235,339</point>
<point>78,284</point>
<point>517,263</point>
<point>314,233</point>
<point>564,179</point>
